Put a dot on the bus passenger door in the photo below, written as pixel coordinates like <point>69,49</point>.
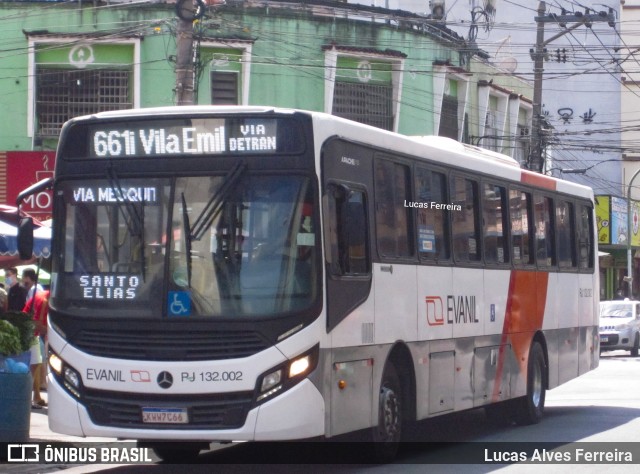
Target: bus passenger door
<point>348,262</point>
<point>346,173</point>
<point>349,308</point>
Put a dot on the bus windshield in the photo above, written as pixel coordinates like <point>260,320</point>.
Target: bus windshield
<point>235,245</point>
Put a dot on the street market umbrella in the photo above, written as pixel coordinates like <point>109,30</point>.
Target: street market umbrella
<point>9,255</point>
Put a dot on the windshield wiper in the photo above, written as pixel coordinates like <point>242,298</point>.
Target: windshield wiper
<point>214,206</point>
<point>187,234</point>
<point>133,219</point>
<point>209,213</point>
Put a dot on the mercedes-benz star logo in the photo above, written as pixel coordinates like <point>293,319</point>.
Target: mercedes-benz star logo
<point>165,379</point>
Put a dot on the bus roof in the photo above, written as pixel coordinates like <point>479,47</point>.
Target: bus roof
<point>436,148</point>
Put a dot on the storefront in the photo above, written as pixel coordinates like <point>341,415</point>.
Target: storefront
<point>613,232</point>
<point>21,169</point>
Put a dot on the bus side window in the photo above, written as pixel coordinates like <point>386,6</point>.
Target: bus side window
<point>521,227</point>
<point>348,243</point>
<point>495,224</point>
<point>566,234</point>
<point>466,229</point>
<point>433,224</point>
<point>353,255</point>
<point>394,224</point>
<point>585,236</point>
<point>545,232</point>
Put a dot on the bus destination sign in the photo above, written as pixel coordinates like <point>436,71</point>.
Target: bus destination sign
<point>207,136</point>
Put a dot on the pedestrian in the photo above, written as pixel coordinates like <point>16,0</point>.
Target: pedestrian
<point>30,282</point>
<point>4,299</point>
<point>38,307</point>
<point>16,293</point>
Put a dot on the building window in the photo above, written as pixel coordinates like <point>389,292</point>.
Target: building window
<point>224,88</point>
<point>450,97</point>
<point>371,104</point>
<point>62,94</point>
<point>363,85</point>
<point>449,117</point>
<point>522,145</point>
<point>70,76</point>
<point>225,81</point>
<point>490,141</point>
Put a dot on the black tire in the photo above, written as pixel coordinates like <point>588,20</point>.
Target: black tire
<point>176,453</point>
<point>636,346</point>
<point>530,408</point>
<point>387,434</point>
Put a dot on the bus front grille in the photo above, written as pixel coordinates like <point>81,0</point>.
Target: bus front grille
<point>158,345</point>
<point>211,411</point>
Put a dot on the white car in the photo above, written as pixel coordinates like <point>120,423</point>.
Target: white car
<point>620,326</point>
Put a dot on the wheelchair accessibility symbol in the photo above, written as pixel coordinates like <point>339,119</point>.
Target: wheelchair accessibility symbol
<point>179,303</point>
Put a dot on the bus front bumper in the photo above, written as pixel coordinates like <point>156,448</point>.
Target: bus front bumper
<point>297,413</point>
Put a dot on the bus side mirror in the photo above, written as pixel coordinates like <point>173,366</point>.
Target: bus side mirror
<point>25,238</point>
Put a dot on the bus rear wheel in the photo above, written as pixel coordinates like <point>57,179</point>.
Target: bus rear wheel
<point>530,408</point>
<point>387,434</point>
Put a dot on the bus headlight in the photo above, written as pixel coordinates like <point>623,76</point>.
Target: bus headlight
<point>72,377</point>
<point>55,363</point>
<point>300,366</point>
<point>72,381</point>
<point>287,375</point>
<point>271,380</point>
<point>65,375</point>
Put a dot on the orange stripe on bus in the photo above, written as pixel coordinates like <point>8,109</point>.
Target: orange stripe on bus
<point>537,179</point>
<point>524,315</point>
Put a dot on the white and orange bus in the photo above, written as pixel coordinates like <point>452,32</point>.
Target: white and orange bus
<point>254,273</point>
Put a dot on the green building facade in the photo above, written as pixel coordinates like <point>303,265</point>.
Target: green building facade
<point>394,70</point>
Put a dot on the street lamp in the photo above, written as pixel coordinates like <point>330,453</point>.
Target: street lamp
<point>629,278</point>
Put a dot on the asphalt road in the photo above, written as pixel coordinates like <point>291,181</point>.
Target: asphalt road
<point>599,411</point>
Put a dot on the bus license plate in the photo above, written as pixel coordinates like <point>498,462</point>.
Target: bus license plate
<point>173,416</point>
<point>604,339</point>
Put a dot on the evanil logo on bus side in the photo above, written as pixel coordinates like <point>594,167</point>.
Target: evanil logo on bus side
<point>460,309</point>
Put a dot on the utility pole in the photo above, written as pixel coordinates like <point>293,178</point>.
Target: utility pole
<point>535,162</point>
<point>539,54</point>
<point>187,11</point>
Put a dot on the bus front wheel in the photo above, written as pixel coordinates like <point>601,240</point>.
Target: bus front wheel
<point>531,407</point>
<point>387,434</point>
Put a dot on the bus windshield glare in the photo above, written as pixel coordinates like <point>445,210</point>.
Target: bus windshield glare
<point>232,245</point>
